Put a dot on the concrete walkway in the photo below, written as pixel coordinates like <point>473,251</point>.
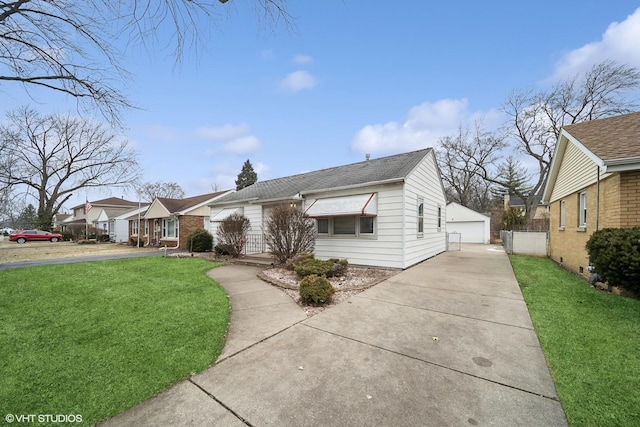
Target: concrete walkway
<point>448,342</point>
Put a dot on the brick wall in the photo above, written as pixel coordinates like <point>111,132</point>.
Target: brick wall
<point>619,207</point>
<point>187,225</point>
<point>630,199</point>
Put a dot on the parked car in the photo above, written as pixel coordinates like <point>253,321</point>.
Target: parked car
<point>22,236</point>
<point>7,231</point>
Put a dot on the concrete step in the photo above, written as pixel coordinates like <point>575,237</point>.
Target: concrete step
<point>263,259</point>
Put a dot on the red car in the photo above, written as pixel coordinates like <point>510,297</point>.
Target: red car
<point>22,236</point>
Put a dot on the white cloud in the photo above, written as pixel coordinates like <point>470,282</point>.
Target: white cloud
<point>223,132</point>
<point>619,42</point>
<point>303,59</point>
<point>243,145</point>
<point>297,81</point>
<point>425,125</point>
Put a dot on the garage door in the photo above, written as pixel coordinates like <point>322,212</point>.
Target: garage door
<point>471,231</point>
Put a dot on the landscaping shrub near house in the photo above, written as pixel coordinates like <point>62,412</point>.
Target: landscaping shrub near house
<point>289,232</point>
<point>615,254</point>
<point>330,268</point>
<point>232,234</point>
<point>200,240</point>
<point>316,290</point>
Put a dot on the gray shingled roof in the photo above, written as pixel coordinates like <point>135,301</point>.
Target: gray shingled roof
<point>610,138</point>
<point>368,171</point>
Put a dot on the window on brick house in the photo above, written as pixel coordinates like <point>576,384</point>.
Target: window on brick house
<point>562,213</point>
<point>582,209</point>
<point>169,228</point>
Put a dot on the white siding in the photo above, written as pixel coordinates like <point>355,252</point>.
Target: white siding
<point>473,227</point>
<point>424,182</point>
<point>382,250</point>
<point>576,172</point>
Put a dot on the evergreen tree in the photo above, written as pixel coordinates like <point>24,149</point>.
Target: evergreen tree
<point>28,218</point>
<point>247,176</point>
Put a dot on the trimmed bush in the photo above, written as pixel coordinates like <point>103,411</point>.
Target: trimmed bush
<point>316,290</point>
<point>103,238</point>
<point>297,260</point>
<point>200,240</point>
<point>133,241</point>
<point>615,254</point>
<point>329,268</point>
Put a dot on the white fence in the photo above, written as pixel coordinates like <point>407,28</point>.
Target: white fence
<point>525,242</point>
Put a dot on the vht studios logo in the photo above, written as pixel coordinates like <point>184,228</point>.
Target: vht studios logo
<point>43,418</point>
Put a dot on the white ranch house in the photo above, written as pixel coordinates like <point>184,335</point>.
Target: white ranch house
<point>385,212</point>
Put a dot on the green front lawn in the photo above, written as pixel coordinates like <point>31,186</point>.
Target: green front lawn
<point>591,340</point>
<point>97,338</point>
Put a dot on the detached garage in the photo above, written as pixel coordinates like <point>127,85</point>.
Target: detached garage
<point>473,227</point>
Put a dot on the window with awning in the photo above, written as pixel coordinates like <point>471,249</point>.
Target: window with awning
<point>359,205</point>
<point>224,214</point>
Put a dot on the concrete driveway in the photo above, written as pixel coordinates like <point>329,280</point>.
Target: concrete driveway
<point>448,342</point>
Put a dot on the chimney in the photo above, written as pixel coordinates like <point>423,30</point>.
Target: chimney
<point>367,156</point>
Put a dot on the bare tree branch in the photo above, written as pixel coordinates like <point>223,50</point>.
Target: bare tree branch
<point>57,155</point>
<point>66,45</point>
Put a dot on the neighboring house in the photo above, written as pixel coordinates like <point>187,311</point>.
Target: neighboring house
<point>540,217</point>
<point>473,227</point>
<point>594,183</point>
<point>60,221</point>
<point>386,212</point>
<point>168,222</point>
<point>99,215</point>
<point>121,224</point>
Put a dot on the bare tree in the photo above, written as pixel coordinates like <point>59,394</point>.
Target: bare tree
<point>64,45</point>
<point>461,158</point>
<point>232,234</point>
<point>289,232</point>
<point>150,190</point>
<point>52,156</point>
<point>536,117</point>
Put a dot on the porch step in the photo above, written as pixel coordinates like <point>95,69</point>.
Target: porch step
<point>263,259</point>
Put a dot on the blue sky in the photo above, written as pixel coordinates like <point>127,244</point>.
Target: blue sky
<point>353,77</point>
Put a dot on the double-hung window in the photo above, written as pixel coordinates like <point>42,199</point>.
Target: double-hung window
<point>134,228</point>
<point>420,217</point>
<point>582,209</point>
<point>169,228</point>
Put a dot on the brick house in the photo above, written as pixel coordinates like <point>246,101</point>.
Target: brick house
<point>594,183</point>
<point>168,222</point>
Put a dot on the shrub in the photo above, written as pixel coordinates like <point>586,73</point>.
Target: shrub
<point>316,290</point>
<point>103,238</point>
<point>615,254</point>
<point>133,241</point>
<point>289,232</point>
<point>200,240</point>
<point>329,268</point>
<point>232,234</point>
<point>67,236</point>
<point>220,250</point>
<point>298,259</point>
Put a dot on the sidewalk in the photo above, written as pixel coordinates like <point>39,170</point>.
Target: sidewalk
<point>447,342</point>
